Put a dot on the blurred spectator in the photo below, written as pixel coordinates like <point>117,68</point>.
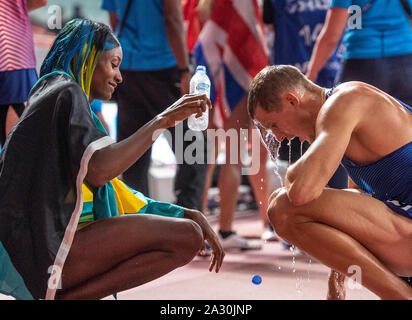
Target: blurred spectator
<point>378,44</point>
<point>155,72</point>
<point>232,47</point>
<point>296,24</point>
<point>17,60</point>
<point>77,12</point>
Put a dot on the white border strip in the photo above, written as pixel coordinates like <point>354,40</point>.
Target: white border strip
<point>56,269</point>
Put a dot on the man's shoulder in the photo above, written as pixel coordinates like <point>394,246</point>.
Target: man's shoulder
<point>353,93</point>
<point>351,88</point>
<point>349,100</point>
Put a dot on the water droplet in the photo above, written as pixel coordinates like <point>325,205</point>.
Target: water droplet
<point>272,145</point>
<point>279,267</point>
<point>299,286</point>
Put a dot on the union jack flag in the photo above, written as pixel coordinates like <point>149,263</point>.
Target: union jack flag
<point>232,46</point>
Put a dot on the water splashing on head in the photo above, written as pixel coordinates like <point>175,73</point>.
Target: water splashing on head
<point>271,144</point>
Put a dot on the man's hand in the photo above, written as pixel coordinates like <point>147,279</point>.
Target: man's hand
<point>184,107</point>
<point>210,236</point>
<point>336,286</point>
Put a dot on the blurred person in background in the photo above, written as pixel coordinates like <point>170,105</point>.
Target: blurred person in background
<point>231,45</point>
<point>156,73</point>
<point>17,60</point>
<point>378,41</point>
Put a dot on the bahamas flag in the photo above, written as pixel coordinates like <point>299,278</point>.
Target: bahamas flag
<point>43,196</point>
<point>232,47</point>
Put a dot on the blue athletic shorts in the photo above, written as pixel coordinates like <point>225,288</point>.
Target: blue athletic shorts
<point>400,208</point>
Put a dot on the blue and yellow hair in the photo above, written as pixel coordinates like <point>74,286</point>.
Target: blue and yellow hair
<point>77,50</point>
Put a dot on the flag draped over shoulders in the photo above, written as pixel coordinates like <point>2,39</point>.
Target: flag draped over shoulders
<point>42,168</point>
<point>43,192</point>
<point>232,47</point>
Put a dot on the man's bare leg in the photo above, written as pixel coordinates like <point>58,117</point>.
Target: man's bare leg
<point>342,229</point>
<point>119,253</point>
<point>260,185</point>
<point>208,184</point>
<point>230,174</point>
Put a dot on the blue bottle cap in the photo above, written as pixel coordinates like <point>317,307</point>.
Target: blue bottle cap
<point>257,279</point>
<point>201,68</point>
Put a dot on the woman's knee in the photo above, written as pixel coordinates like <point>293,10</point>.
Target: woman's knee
<point>190,241</point>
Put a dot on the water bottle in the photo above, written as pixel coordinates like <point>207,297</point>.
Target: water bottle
<point>199,83</point>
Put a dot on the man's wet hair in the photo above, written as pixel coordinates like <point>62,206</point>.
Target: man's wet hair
<point>270,83</point>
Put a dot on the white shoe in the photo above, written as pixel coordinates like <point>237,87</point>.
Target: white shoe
<point>235,241</point>
<point>270,235</point>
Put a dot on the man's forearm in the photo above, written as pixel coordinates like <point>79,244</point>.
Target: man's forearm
<point>322,51</point>
<point>328,40</point>
<point>176,35</point>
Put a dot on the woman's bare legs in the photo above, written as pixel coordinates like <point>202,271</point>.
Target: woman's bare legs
<point>260,184</point>
<point>119,253</point>
<point>343,229</point>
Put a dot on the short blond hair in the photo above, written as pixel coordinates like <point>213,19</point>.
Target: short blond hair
<point>267,87</point>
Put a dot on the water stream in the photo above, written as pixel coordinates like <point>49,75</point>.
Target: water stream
<point>272,145</point>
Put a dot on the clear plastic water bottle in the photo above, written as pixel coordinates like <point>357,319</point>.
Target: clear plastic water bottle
<point>199,83</point>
